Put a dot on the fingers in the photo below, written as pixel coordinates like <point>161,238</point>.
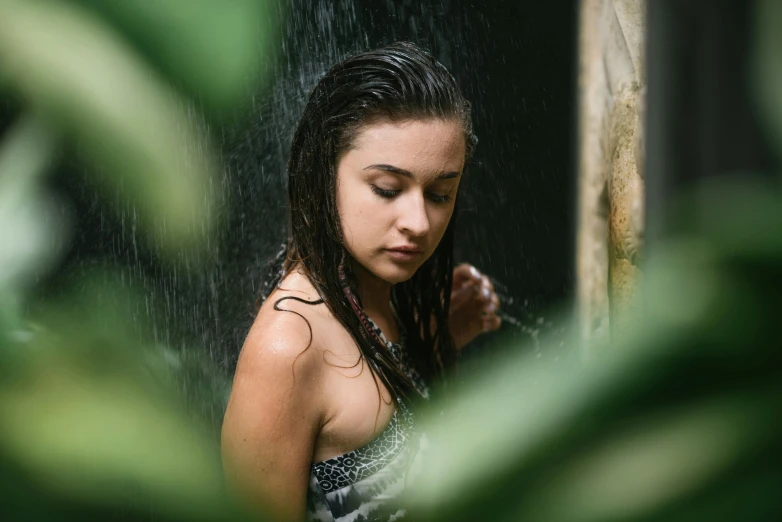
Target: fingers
<point>463,273</point>
<point>487,294</point>
<point>466,272</point>
<point>463,294</point>
<point>491,304</point>
<point>491,322</point>
<point>473,290</point>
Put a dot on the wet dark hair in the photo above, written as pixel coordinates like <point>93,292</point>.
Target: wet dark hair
<point>397,82</point>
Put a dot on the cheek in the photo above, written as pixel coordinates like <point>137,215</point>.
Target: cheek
<point>364,219</point>
<point>440,220</point>
<point>349,206</point>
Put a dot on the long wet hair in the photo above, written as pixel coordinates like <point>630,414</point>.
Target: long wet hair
<point>397,82</point>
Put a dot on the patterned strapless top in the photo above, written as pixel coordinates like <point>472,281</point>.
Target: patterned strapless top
<point>365,484</point>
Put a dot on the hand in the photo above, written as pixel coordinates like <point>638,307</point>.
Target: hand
<point>474,305</point>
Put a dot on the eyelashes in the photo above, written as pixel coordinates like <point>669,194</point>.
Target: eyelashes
<point>436,198</point>
<point>390,194</point>
<point>383,193</point>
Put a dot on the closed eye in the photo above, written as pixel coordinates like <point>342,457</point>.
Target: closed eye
<point>436,198</point>
<point>383,193</point>
<point>389,194</point>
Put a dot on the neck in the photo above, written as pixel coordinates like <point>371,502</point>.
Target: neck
<point>375,293</point>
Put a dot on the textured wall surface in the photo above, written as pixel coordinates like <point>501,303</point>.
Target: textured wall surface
<point>611,189</point>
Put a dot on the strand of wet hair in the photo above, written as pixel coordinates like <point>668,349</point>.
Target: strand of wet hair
<point>309,326</point>
<point>357,308</point>
<point>369,333</point>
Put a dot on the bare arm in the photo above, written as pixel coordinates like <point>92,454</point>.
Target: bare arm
<point>273,417</point>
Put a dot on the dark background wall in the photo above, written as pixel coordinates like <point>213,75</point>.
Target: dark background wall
<point>707,122</point>
<point>515,61</point>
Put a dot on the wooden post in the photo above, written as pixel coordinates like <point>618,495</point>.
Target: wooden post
<point>611,85</point>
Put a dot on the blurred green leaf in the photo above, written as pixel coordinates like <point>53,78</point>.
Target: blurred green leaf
<point>31,230</point>
<point>87,419</point>
<point>638,469</point>
<point>647,431</point>
<point>92,417</point>
<point>205,385</point>
<point>92,437</point>
<point>741,222</point>
<point>215,48</point>
<point>767,77</point>
<point>78,73</point>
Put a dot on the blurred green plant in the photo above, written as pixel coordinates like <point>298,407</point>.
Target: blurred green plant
<point>218,68</point>
<point>679,423</point>
<point>767,68</point>
<point>93,422</point>
<point>27,228</point>
<point>682,421</point>
<point>93,88</point>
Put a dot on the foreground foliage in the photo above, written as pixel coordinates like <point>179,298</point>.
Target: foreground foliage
<point>679,422</point>
<point>93,424</point>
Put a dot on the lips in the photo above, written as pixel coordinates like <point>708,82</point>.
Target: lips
<point>411,249</point>
<point>404,253</point>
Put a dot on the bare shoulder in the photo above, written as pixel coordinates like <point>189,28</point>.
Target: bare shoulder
<point>280,368</point>
<point>287,331</point>
<point>276,409</point>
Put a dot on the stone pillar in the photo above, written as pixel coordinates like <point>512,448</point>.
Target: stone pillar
<point>611,83</point>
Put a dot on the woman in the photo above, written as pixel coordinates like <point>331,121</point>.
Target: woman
<point>364,309</point>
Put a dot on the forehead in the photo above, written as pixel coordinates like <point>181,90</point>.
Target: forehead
<point>415,145</point>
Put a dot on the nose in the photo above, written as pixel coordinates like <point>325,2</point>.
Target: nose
<point>413,218</point>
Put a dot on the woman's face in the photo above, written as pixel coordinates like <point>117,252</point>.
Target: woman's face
<point>396,190</point>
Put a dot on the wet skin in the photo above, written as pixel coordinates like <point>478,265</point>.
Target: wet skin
<point>299,398</point>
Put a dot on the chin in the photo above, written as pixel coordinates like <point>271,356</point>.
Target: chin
<point>396,273</point>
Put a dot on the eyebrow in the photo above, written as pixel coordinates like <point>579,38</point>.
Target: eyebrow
<point>407,173</point>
